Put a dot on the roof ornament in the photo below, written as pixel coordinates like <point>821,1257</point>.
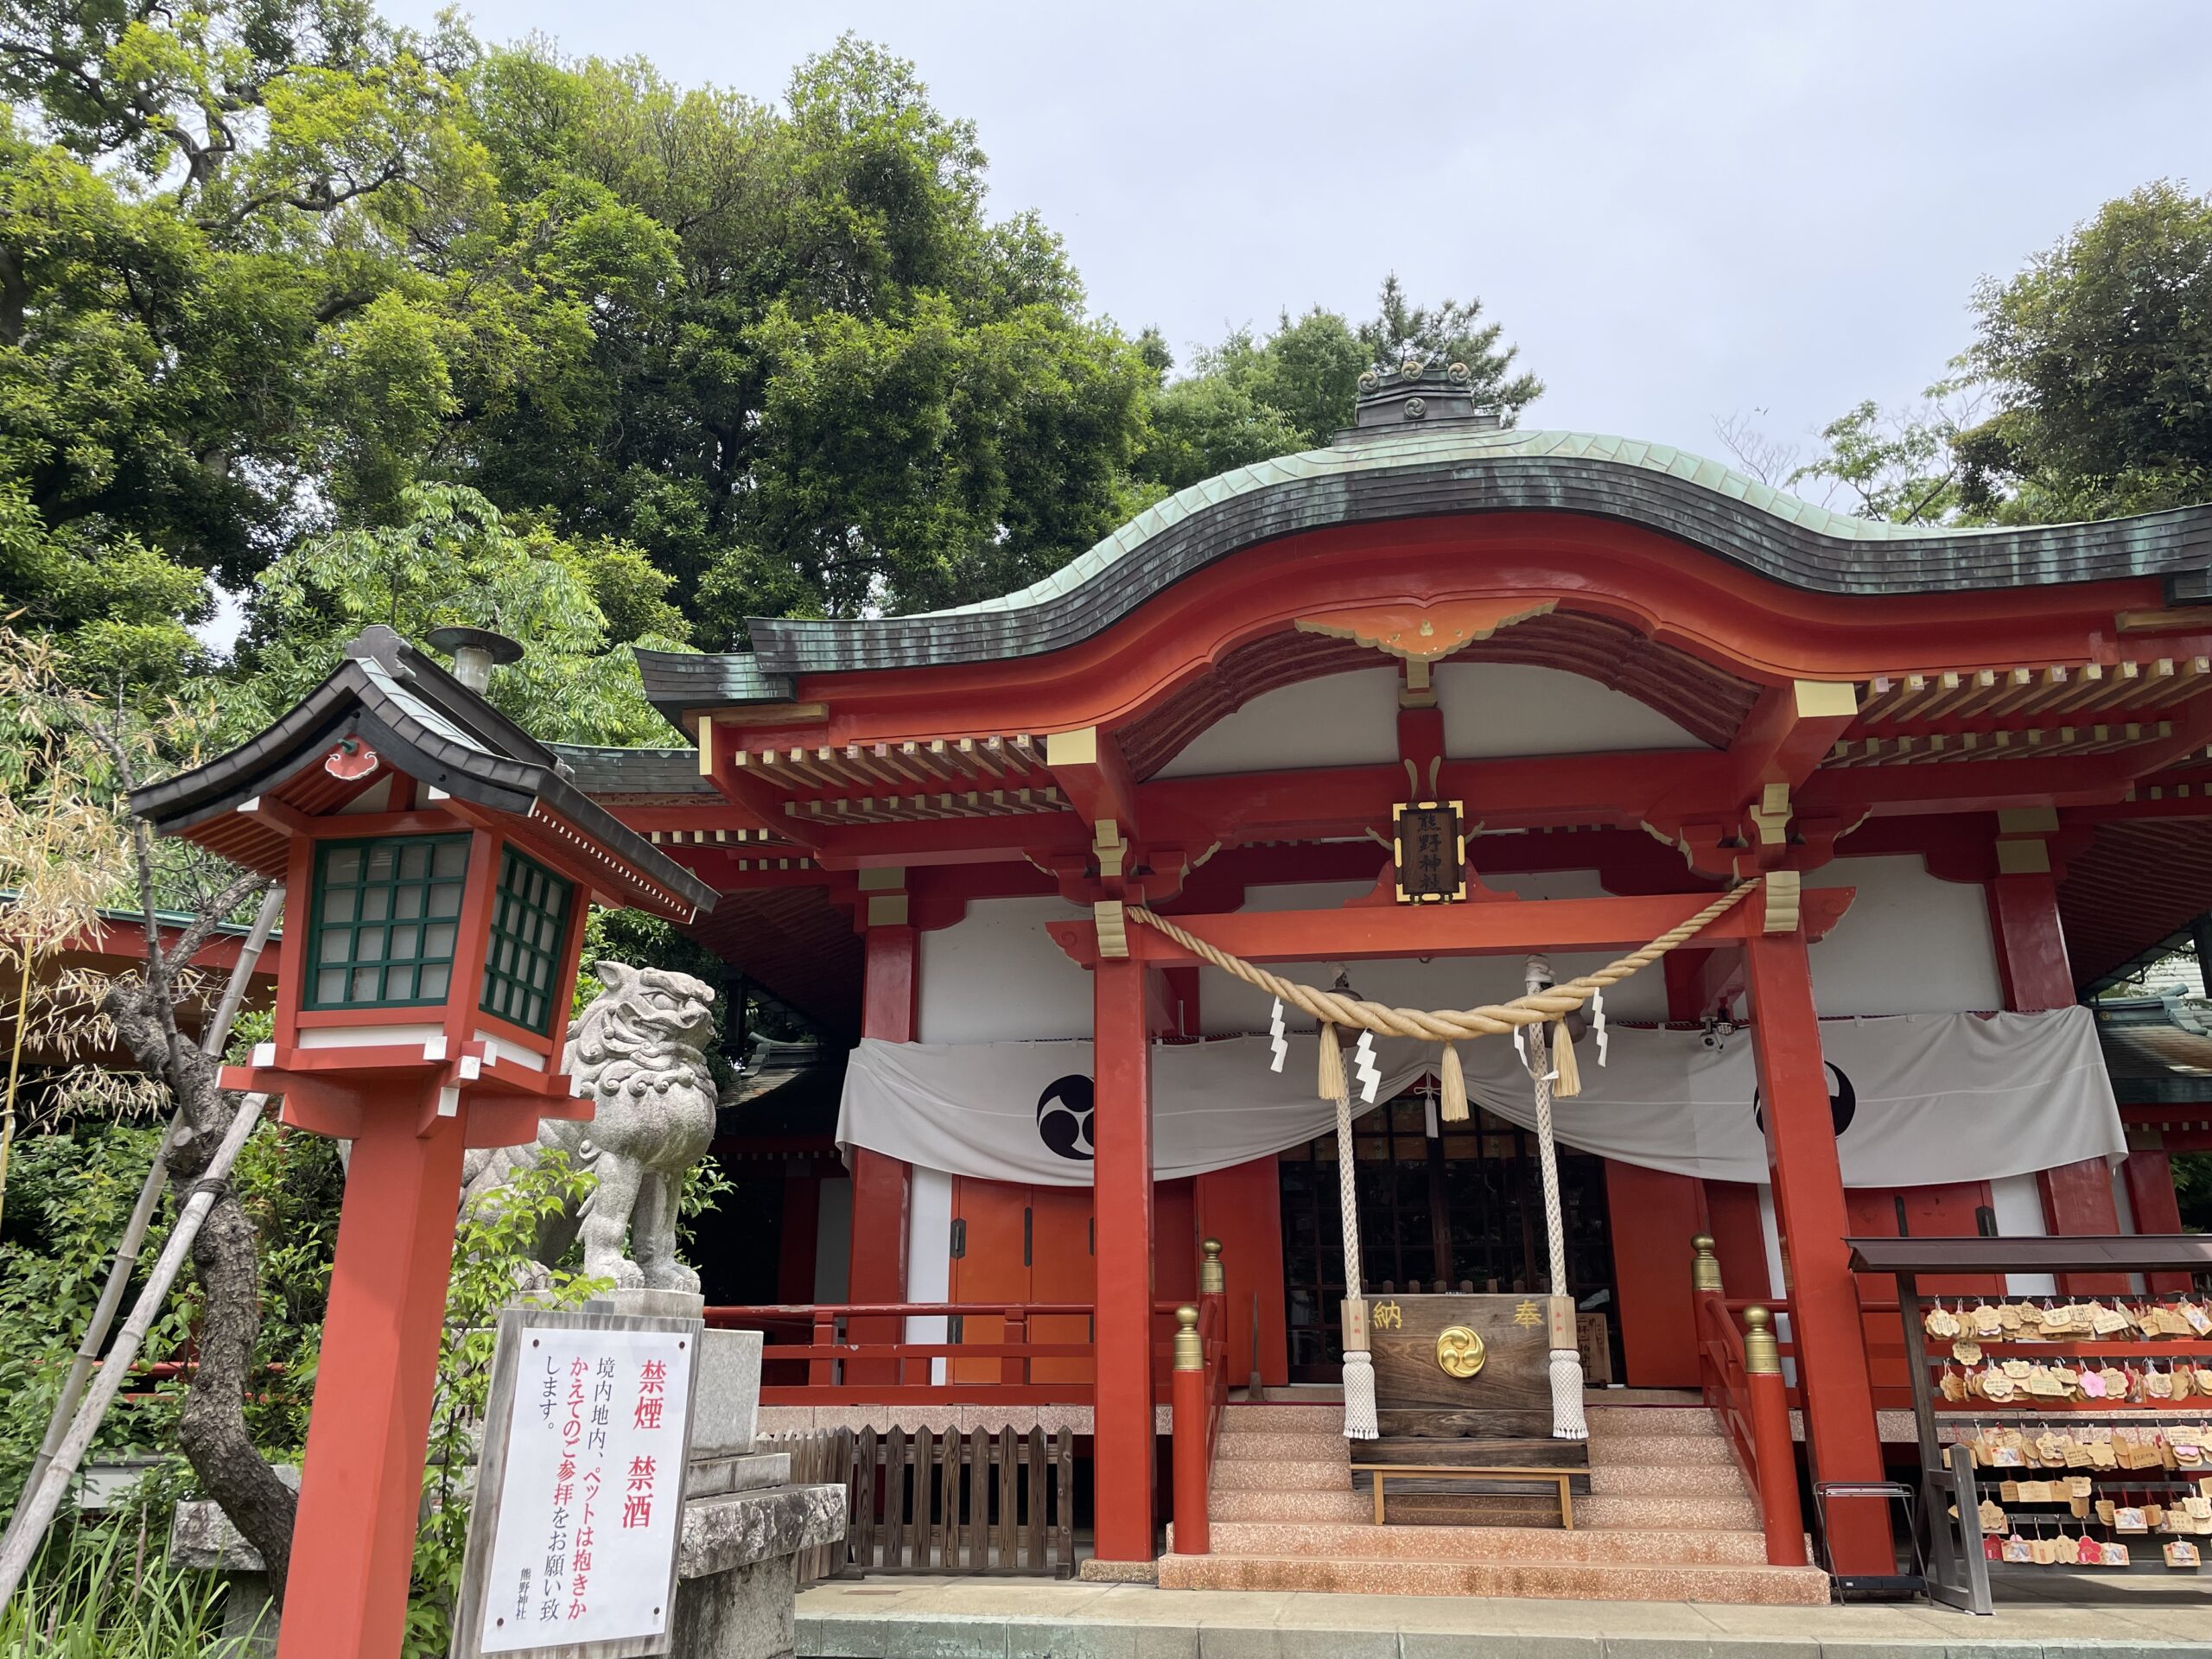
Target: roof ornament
<point>1421,389</point>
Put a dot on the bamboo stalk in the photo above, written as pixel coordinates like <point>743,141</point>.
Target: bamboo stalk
<point>211,1041</point>
<point>39,1504</point>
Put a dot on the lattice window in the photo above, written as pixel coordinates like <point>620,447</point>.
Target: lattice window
<point>386,915</point>
<point>529,919</point>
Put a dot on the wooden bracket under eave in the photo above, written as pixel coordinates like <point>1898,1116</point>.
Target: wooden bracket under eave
<point>1112,924</point>
<point>1782,896</point>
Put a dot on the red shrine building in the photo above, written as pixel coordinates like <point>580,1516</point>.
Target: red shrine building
<point>1970,768</point>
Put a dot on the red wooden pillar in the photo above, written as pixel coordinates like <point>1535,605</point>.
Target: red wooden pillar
<point>1122,1175</point>
<point>795,1250</point>
<point>882,1185</point>
<point>2031,961</point>
<point>353,1541</point>
<point>2149,1175</point>
<point>1841,1436</point>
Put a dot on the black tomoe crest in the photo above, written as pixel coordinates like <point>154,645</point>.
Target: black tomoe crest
<point>1063,1116</point>
<point>1843,1101</point>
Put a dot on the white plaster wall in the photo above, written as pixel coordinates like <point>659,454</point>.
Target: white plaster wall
<point>1228,1006</point>
<point>1490,708</point>
<point>1909,943</point>
<point>2017,1201</point>
<point>929,1255</point>
<point>1339,719</point>
<point>1509,708</point>
<point>996,975</point>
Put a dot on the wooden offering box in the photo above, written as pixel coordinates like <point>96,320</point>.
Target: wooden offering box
<point>1499,1418</point>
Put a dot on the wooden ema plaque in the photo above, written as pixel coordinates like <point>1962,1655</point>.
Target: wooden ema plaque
<point>1500,1416</point>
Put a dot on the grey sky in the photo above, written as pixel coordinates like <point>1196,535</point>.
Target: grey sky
<point>1678,211</point>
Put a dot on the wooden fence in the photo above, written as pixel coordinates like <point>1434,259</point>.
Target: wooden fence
<point>941,1502</point>
<point>821,1457</point>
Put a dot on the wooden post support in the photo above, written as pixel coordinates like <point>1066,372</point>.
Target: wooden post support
<point>353,1542</point>
<point>1121,1176</point>
<point>1840,1437</point>
<point>1191,1436</point>
<point>2024,926</point>
<point>882,1185</point>
<point>1777,1454</point>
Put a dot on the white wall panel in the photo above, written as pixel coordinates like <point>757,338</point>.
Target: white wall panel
<point>996,975</point>
<point>1508,708</point>
<point>1339,719</point>
<point>1909,943</point>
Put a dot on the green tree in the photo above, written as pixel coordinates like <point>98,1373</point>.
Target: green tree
<point>1248,397</point>
<point>203,215</point>
<point>2099,356</point>
<point>826,380</point>
<point>455,558</point>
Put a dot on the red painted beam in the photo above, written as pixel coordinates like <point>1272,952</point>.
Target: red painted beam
<point>1483,929</point>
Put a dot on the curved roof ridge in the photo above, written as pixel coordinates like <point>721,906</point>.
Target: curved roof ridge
<point>1375,475</point>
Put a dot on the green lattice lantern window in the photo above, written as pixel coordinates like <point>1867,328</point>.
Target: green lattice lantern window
<point>386,921</point>
<point>529,921</point>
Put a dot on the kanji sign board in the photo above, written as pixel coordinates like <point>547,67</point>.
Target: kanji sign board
<point>1429,851</point>
<point>579,1511</point>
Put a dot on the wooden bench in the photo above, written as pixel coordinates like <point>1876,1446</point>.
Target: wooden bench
<point>1560,1477</point>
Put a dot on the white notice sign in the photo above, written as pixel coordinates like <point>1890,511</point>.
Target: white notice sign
<point>584,1454</point>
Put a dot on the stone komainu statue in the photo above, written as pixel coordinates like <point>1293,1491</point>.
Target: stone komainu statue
<point>637,1053</point>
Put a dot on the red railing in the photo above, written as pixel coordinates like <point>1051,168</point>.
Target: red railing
<point>1199,1396</point>
<point>845,1366</point>
<point>1743,1383</point>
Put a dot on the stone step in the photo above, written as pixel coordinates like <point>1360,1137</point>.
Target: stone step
<point>1552,1580</point>
<point>1667,1480</point>
<point>1351,1541</point>
<point>1617,1452</point>
<point>1230,1504</point>
<point>1614,1422</point>
<point>1614,1512</point>
<point>1261,1474</point>
<point>1599,1512</point>
<point>1294,1447</point>
<point>1301,1419</point>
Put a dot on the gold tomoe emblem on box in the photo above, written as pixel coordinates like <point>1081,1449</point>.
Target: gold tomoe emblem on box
<point>1459,1351</point>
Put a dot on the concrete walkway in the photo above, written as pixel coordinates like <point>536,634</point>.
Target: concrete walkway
<point>974,1618</point>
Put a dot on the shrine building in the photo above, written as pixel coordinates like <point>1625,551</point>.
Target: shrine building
<point>1968,770</point>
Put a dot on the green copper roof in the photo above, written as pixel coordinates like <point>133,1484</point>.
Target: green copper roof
<point>1443,467</point>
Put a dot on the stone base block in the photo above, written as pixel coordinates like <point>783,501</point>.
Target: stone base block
<point>649,1304</point>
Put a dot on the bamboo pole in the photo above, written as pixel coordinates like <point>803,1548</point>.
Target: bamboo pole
<point>212,1042</point>
<point>39,1505</point>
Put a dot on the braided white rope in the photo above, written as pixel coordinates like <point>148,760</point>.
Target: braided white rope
<point>1567,1420</point>
<point>1360,1421</point>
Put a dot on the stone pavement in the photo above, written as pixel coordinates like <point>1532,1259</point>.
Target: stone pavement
<point>977,1619</point>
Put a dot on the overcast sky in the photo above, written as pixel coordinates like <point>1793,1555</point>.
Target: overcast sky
<point>1678,211</point>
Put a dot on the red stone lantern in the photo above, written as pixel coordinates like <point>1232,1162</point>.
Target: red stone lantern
<point>437,865</point>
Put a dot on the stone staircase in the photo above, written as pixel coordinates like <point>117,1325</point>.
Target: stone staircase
<point>1667,1518</point>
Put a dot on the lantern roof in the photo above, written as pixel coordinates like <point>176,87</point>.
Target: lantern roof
<point>423,721</point>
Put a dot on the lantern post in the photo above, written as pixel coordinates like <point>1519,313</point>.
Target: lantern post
<point>439,866</point>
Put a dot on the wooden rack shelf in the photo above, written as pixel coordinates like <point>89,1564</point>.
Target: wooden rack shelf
<point>1958,1572</point>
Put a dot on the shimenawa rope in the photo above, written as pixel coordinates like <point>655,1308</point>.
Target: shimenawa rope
<point>1537,1008</point>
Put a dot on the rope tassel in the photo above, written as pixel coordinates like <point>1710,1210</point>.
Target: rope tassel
<point>1451,1105</point>
<point>1332,1079</point>
<point>1566,1080</point>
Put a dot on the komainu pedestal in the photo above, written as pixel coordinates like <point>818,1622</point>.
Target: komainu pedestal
<point>1464,1381</point>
